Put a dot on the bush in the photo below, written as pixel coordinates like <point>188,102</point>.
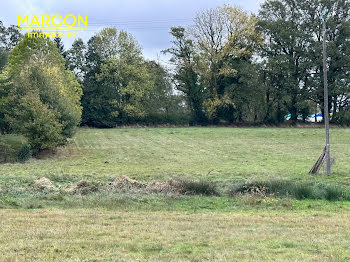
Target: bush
<point>25,153</point>
<point>333,193</point>
<point>43,100</point>
<point>198,188</point>
<point>44,131</point>
<point>342,118</point>
<point>164,119</point>
<point>346,195</point>
<point>302,191</point>
<point>6,153</point>
<point>14,148</point>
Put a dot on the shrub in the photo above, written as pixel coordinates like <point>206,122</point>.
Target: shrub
<point>14,148</point>
<point>198,188</point>
<point>25,153</point>
<point>302,191</point>
<point>342,118</point>
<point>164,119</point>
<point>43,99</point>
<point>44,131</point>
<point>6,153</point>
<point>333,193</point>
<point>346,195</point>
<point>318,191</point>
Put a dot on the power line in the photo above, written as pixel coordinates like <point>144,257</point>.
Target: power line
<point>140,21</point>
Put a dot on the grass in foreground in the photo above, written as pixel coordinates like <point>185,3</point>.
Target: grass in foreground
<point>102,235</point>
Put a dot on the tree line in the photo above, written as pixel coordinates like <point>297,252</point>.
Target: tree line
<point>236,67</point>
<point>228,67</point>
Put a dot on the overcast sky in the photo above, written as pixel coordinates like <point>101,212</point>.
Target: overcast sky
<point>148,20</point>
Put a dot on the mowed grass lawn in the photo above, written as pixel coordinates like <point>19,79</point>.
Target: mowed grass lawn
<point>98,235</point>
<point>211,153</point>
<point>44,226</point>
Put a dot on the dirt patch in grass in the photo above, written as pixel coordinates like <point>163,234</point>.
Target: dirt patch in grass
<point>43,184</point>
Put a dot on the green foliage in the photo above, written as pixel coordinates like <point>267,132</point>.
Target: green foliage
<point>287,62</point>
<point>118,84</point>
<point>9,37</point>
<point>43,99</point>
<point>14,148</point>
<point>13,36</point>
<point>226,39</point>
<point>302,191</point>
<point>76,60</point>
<point>229,67</point>
<point>341,118</point>
<point>3,58</point>
<point>4,84</point>
<point>25,153</point>
<point>185,78</point>
<point>202,187</point>
<point>37,50</point>
<point>162,105</point>
<point>60,46</point>
<point>334,193</point>
<point>172,118</point>
<point>126,84</point>
<point>214,66</point>
<point>293,74</point>
<point>37,122</point>
<point>7,153</point>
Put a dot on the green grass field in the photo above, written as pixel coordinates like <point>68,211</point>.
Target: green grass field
<point>129,226</point>
<point>221,154</point>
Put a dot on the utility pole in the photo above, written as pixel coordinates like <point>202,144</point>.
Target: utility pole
<point>326,151</point>
<point>325,80</point>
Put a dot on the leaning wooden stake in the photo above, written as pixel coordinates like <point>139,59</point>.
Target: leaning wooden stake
<point>317,166</point>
